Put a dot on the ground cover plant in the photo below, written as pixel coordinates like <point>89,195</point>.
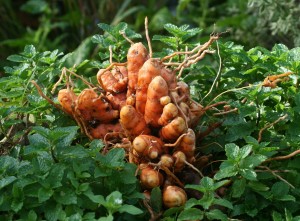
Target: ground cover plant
<point>194,131</point>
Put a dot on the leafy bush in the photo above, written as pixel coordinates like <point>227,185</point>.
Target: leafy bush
<point>59,181</point>
<point>278,19</point>
<point>247,152</point>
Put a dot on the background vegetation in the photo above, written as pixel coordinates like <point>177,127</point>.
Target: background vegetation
<point>49,170</point>
<point>66,24</point>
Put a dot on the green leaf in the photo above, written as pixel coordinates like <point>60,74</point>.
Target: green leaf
<point>252,161</point>
<point>89,216</point>
<point>252,205</point>
<point>156,199</point>
<point>251,140</point>
<point>172,211</point>
<point>258,186</point>
<point>6,181</point>
<point>113,159</point>
<point>42,162</point>
<point>115,198</point>
<point>65,196</point>
<point>216,214</point>
<point>191,203</point>
<point>245,151</point>
<point>54,54</point>
<point>56,175</point>
<point>74,152</point>
<point>83,187</point>
<point>248,174</point>
<point>18,70</point>
<point>276,216</point>
<point>99,199</point>
<point>240,131</point>
<point>43,131</point>
<point>228,171</point>
<point>294,54</point>
<point>113,30</point>
<point>207,183</point>
<point>191,214</point>
<point>279,188</point>
<point>182,31</point>
<point>32,190</point>
<point>279,49</point>
<point>34,7</point>
<point>108,218</point>
<point>191,33</point>
<point>130,209</point>
<point>207,200</point>
<point>96,145</point>
<point>8,83</point>
<point>32,216</point>
<point>288,215</point>
<point>221,183</point>
<point>52,212</point>
<point>29,51</point>
<point>195,187</point>
<point>17,58</point>
<point>80,167</point>
<point>85,175</point>
<point>16,205</point>
<point>44,194</point>
<point>17,190</point>
<point>294,163</point>
<point>223,202</point>
<point>99,39</point>
<point>36,100</point>
<point>115,34</point>
<point>116,155</point>
<point>297,99</point>
<point>132,34</point>
<point>63,136</point>
<point>232,151</point>
<point>127,175</point>
<point>8,165</point>
<point>171,41</point>
<point>286,198</point>
<point>101,172</point>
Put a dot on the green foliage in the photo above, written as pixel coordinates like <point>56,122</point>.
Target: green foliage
<point>67,25</point>
<point>239,162</point>
<point>57,180</point>
<point>50,171</point>
<point>156,200</point>
<point>255,184</point>
<point>281,22</point>
<point>191,210</point>
<point>113,38</point>
<point>180,36</point>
